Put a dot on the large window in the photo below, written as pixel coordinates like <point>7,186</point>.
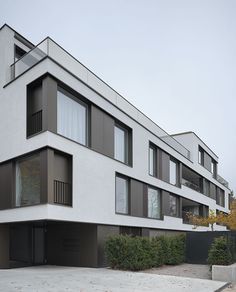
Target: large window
<point>173,172</point>
<point>121,144</point>
<point>152,161</point>
<point>173,205</point>
<point>200,155</point>
<point>213,168</point>
<point>71,118</point>
<point>154,206</point>
<point>28,181</point>
<point>122,195</point>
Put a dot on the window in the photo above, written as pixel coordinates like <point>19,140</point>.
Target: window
<point>121,144</point>
<point>207,188</point>
<point>213,168</point>
<point>200,156</point>
<point>173,207</point>
<point>154,208</point>
<point>28,181</point>
<point>152,161</point>
<point>19,53</point>
<point>220,197</point>
<point>122,195</point>
<point>71,118</point>
<point>173,172</point>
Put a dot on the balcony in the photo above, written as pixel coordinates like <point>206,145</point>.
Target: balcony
<point>192,180</point>
<point>49,49</point>
<point>222,181</point>
<point>193,208</point>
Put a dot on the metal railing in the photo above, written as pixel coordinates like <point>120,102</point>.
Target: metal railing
<point>62,193</point>
<point>49,48</point>
<point>34,123</point>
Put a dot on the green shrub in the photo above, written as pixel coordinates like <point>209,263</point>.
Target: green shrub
<point>138,253</point>
<point>175,246</point>
<point>129,253</point>
<point>219,252</point>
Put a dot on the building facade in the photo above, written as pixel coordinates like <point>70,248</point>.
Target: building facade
<point>78,163</point>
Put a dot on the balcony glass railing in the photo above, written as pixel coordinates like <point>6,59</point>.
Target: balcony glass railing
<point>221,180</point>
<point>191,185</point>
<point>48,48</point>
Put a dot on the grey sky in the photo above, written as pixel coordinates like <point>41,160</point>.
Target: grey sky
<point>173,59</point>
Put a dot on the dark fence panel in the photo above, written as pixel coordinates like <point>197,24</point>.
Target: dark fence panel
<point>198,244</point>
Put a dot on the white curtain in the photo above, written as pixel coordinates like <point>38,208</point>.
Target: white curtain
<point>153,203</point>
<point>121,195</point>
<point>173,168</point>
<point>119,144</point>
<point>71,118</point>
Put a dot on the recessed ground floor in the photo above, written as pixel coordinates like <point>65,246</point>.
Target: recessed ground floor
<point>53,278</point>
<point>60,243</point>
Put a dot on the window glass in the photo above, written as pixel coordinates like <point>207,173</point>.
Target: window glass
<point>201,156</point>
<point>120,144</point>
<point>122,195</point>
<point>173,211</point>
<point>207,188</point>
<point>173,172</point>
<point>71,118</point>
<point>28,181</point>
<point>154,209</point>
<point>151,161</point>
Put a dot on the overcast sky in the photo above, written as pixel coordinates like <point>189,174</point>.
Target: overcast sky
<point>173,59</point>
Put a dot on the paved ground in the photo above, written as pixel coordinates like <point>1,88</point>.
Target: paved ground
<point>58,279</point>
<point>231,288</point>
<point>184,270</point>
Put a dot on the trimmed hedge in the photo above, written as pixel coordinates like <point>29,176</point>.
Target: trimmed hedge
<point>138,253</point>
<point>219,252</point>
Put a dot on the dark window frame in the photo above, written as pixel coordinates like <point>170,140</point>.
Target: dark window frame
<point>159,192</point>
<point>177,174</point>
<point>129,197</point>
<point>70,95</point>
<point>201,155</point>
<point>177,205</point>
<point>154,149</point>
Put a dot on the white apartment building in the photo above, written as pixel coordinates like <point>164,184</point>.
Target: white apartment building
<point>78,163</point>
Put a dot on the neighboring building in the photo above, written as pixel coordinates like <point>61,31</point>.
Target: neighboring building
<point>78,162</point>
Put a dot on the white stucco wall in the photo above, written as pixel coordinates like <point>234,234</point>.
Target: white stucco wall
<point>93,173</point>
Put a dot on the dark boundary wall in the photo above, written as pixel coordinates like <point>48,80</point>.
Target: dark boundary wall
<point>198,244</point>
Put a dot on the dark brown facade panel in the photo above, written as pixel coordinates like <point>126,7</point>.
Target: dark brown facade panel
<point>165,166</point>
<point>207,161</point>
<point>49,104</point>
<point>44,176</point>
<point>6,185</point>
<point>165,203</point>
<point>136,198</point>
<point>4,246</point>
<point>102,132</point>
<point>63,246</point>
<point>145,232</point>
<point>103,232</point>
<point>179,174</point>
<point>213,191</point>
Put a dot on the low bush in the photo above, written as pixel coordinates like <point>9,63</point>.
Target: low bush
<point>219,252</point>
<point>139,253</point>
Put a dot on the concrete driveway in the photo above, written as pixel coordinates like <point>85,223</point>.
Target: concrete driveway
<point>54,278</point>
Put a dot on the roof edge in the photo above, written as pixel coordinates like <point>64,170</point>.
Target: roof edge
<point>191,132</point>
<point>17,33</point>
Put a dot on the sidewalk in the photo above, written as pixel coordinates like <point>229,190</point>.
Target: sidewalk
<point>58,279</point>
